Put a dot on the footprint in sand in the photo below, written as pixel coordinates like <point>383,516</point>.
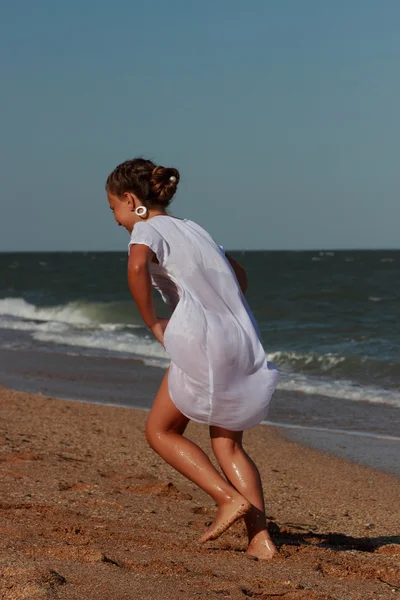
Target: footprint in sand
<point>361,567</point>
<point>17,457</point>
<point>74,553</point>
<point>162,490</point>
<point>203,510</point>
<point>30,582</point>
<point>156,567</point>
<point>78,486</point>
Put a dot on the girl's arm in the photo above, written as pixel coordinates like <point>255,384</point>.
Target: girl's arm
<point>239,272</point>
<point>139,282</point>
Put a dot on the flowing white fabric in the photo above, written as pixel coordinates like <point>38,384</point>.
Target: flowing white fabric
<point>219,373</point>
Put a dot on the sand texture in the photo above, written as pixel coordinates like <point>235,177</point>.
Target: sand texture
<point>89,512</point>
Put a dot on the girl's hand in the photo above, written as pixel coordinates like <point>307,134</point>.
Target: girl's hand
<point>159,328</point>
<point>163,322</point>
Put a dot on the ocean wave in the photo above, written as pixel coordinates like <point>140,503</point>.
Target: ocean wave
<point>103,314</point>
<point>98,328</point>
<point>340,389</point>
<point>27,325</point>
<point>309,359</point>
<point>333,363</point>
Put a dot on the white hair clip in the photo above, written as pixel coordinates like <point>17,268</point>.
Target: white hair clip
<point>172,179</point>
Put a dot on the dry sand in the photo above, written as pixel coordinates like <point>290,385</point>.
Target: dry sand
<point>88,511</point>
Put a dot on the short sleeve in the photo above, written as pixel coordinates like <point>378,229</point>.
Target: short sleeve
<point>144,233</point>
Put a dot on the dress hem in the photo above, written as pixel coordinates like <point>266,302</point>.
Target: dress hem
<point>207,422</point>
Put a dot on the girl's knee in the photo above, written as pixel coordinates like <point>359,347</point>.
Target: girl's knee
<point>152,434</point>
<point>157,433</point>
<point>225,447</point>
<point>148,434</point>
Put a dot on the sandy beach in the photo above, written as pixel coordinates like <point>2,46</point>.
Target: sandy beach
<point>89,511</point>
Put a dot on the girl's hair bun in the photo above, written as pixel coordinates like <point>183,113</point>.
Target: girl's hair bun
<point>153,185</point>
<point>163,184</point>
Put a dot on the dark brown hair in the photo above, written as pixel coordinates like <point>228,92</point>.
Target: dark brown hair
<point>149,182</point>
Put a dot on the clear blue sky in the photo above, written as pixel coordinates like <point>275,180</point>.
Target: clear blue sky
<point>281,115</point>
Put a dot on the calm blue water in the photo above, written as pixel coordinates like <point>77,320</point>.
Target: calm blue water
<point>330,320</point>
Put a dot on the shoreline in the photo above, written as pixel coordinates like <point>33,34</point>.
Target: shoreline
<point>329,441</point>
<point>88,510</point>
<point>360,431</point>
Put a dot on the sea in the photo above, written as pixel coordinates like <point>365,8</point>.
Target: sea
<point>330,320</point>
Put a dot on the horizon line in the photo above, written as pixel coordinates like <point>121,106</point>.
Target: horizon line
<point>355,249</point>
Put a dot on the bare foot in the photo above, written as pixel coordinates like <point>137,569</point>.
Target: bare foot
<point>227,515</point>
<point>262,547</point>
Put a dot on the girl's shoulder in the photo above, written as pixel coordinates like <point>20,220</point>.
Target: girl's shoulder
<point>145,233</point>
<point>166,226</point>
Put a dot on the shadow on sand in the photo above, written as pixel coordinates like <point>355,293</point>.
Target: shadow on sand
<point>283,534</point>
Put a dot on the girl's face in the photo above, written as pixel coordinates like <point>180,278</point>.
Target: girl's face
<point>124,210</point>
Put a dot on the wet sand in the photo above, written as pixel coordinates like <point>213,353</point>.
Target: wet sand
<point>88,511</point>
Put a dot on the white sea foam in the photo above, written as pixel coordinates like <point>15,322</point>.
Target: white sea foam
<point>78,313</point>
<point>66,313</point>
<point>325,362</point>
<point>384,299</point>
<point>27,325</point>
<point>340,389</point>
<point>291,379</point>
<point>119,342</point>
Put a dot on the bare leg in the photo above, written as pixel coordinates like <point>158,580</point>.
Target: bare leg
<point>241,471</point>
<point>164,432</point>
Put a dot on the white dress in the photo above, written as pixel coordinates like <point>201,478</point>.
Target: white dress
<point>219,373</point>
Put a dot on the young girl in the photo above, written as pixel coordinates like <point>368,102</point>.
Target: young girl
<point>219,374</point>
